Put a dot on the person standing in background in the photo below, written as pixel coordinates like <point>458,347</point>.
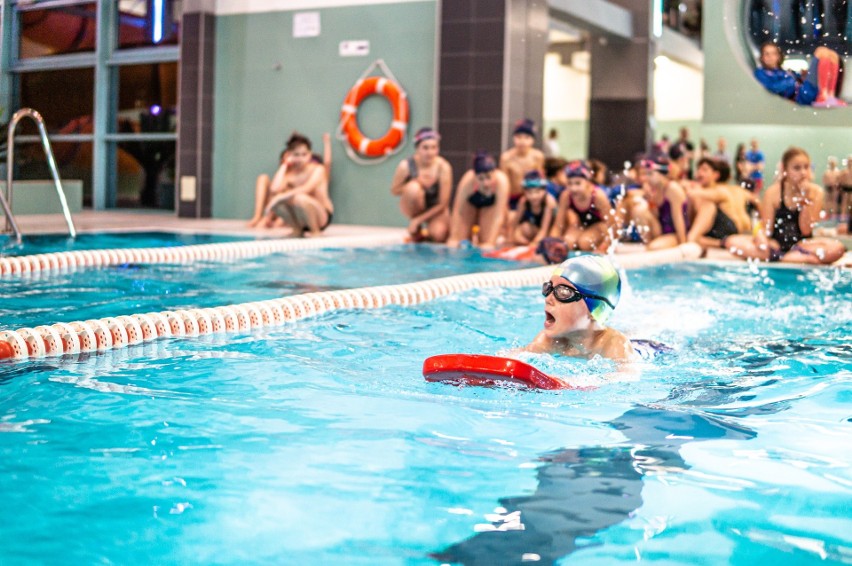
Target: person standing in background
<point>831,184</point>
<point>551,145</point>
<point>756,162</point>
<point>722,151</point>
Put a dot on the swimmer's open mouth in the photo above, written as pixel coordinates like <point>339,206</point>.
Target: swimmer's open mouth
<point>549,319</point>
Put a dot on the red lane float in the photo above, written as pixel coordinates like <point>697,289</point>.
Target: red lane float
<point>475,369</point>
<point>392,139</point>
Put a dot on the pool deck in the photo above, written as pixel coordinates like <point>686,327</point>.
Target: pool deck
<point>149,220</point>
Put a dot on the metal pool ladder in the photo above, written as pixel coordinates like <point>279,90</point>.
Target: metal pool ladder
<point>6,200</point>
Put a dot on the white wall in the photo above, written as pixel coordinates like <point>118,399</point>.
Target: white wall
<point>678,91</point>
<point>566,90</point>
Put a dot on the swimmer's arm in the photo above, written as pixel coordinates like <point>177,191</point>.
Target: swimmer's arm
<point>714,195</point>
<point>516,218</point>
<point>676,198</point>
<point>279,183</point>
<point>811,210</point>
<point>314,180</point>
<point>561,215</point>
<point>501,202</point>
<point>445,187</point>
<point>605,208</point>
<point>547,220</point>
<point>400,176</point>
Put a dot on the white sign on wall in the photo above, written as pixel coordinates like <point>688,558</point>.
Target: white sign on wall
<point>306,24</point>
<point>354,48</point>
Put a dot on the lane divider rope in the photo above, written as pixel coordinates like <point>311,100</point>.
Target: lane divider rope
<point>229,251</point>
<point>121,331</point>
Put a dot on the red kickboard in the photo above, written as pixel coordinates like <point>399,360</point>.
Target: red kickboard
<point>475,369</point>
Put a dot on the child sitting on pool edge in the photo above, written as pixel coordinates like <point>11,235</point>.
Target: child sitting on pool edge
<point>579,297</point>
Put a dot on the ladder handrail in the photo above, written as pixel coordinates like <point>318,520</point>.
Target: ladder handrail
<point>51,162</point>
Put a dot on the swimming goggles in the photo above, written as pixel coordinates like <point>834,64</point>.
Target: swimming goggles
<point>566,294</point>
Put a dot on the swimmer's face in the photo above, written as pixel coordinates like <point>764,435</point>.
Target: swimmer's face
<point>770,56</point>
<point>561,178</point>
<point>798,169</point>
<point>299,156</point>
<point>561,319</point>
<point>535,195</point>
<point>523,142</point>
<point>427,150</point>
<point>486,178</point>
<point>706,175</point>
<point>579,187</point>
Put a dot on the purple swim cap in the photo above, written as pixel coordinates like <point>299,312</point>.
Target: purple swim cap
<point>424,134</point>
<point>578,169</point>
<point>483,162</point>
<point>656,163</point>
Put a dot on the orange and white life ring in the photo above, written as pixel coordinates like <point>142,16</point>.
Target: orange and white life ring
<point>393,138</point>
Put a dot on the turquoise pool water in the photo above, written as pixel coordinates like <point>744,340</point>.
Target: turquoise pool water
<point>320,442</point>
<point>127,289</point>
<point>50,243</point>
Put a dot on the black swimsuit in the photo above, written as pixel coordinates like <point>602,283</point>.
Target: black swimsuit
<point>531,217</point>
<point>723,226</point>
<point>480,200</point>
<point>431,193</point>
<point>786,230</point>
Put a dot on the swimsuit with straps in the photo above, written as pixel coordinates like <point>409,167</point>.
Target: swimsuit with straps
<point>432,192</point>
<point>785,229</point>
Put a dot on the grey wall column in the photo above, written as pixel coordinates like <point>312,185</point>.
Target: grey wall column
<point>492,65</point>
<point>195,107</point>
<point>621,99</point>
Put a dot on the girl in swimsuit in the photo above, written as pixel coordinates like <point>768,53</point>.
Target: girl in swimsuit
<point>788,210</point>
<point>424,182</point>
<point>482,196</point>
<point>536,209</point>
<point>584,218</point>
<point>715,215</point>
<point>660,212</point>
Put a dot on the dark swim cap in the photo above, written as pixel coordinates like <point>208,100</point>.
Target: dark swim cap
<point>534,180</point>
<point>553,250</point>
<point>483,162</point>
<point>525,126</point>
<point>593,275</point>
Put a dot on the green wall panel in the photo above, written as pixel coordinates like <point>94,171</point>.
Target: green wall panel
<point>269,84</point>
<point>572,135</point>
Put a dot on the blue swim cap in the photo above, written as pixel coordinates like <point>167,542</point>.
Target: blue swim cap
<point>534,180</point>
<point>593,275</point>
<point>524,126</point>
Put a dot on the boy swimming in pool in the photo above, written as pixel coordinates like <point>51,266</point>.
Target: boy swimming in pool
<point>579,297</point>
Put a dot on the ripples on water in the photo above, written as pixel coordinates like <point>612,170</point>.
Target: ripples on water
<point>320,442</point>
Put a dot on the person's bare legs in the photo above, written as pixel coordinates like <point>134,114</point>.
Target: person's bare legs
<point>310,215</point>
<point>490,219</point>
<point>663,242</point>
<point>261,199</point>
<point>286,214</point>
<point>592,236</point>
<point>815,251</point>
<point>439,227</point>
<point>705,216</point>
<point>744,247</point>
<point>461,227</point>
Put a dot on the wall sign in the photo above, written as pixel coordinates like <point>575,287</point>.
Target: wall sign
<point>306,24</point>
<point>357,48</point>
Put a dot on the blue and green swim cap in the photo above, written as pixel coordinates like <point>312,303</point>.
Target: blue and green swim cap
<point>593,275</point>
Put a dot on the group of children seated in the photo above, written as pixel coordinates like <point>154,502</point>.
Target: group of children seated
<point>527,207</point>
